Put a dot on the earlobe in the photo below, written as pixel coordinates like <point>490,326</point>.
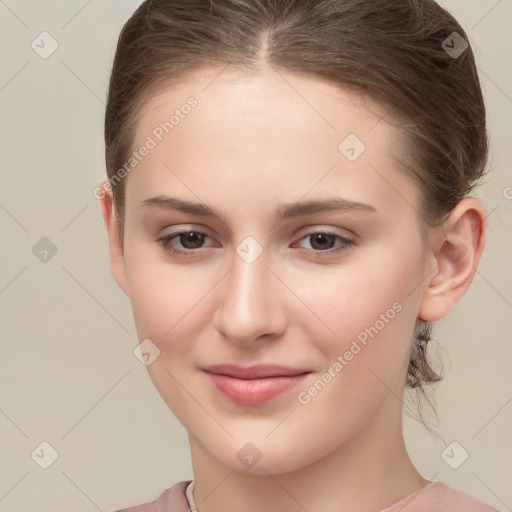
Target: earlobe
<point>457,250</point>
<point>117,261</point>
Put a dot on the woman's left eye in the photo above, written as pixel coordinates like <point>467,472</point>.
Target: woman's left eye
<point>321,242</point>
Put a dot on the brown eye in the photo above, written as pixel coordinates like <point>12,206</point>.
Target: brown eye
<point>191,240</point>
<point>322,243</point>
<point>183,242</point>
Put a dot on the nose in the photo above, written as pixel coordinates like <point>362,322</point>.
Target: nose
<point>251,302</point>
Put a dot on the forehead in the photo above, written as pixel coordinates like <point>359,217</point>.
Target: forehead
<point>265,94</point>
<point>261,131</point>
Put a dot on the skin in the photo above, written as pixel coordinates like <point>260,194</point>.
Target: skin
<point>253,143</point>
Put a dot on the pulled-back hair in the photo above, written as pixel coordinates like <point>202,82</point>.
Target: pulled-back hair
<point>408,55</point>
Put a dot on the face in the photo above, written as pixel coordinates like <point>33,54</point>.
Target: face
<point>268,224</point>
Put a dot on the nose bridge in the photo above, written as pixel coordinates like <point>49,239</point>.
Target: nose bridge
<point>249,305</point>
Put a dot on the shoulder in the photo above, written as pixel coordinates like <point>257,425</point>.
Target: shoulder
<point>440,497</point>
<point>172,499</point>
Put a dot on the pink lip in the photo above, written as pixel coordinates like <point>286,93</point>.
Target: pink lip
<point>254,385</point>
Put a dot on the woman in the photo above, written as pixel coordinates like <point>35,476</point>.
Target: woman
<point>287,210</point>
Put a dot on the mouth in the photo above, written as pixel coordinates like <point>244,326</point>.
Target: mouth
<point>254,385</point>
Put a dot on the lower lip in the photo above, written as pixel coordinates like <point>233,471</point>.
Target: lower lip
<point>254,391</point>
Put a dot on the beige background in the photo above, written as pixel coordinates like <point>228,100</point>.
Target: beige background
<point>69,376</point>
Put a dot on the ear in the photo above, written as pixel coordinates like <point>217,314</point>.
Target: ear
<point>117,262</point>
<point>457,248</point>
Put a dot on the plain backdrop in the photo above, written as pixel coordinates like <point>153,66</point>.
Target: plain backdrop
<point>69,375</point>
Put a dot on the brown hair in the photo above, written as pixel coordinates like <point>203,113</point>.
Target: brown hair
<point>396,52</point>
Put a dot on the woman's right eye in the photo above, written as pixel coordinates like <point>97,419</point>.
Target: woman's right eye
<point>189,240</point>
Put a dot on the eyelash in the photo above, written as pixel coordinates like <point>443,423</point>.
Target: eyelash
<point>166,241</point>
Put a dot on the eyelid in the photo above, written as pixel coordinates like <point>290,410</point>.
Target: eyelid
<point>330,230</point>
<point>185,228</point>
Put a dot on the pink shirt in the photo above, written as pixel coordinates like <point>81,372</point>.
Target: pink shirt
<point>435,497</point>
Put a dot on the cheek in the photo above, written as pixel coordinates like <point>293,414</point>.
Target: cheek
<point>165,307</point>
<point>365,361</point>
<point>158,292</point>
<point>154,302</point>
<point>368,315</point>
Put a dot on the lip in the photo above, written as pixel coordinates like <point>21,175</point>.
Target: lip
<point>258,371</point>
<point>253,385</point>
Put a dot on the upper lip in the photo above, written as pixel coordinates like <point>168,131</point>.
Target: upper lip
<point>254,372</point>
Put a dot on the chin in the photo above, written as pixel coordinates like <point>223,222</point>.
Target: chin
<point>264,458</point>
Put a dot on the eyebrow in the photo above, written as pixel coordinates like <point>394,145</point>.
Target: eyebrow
<point>285,211</point>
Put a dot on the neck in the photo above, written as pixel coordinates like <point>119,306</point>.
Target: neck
<point>370,471</point>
